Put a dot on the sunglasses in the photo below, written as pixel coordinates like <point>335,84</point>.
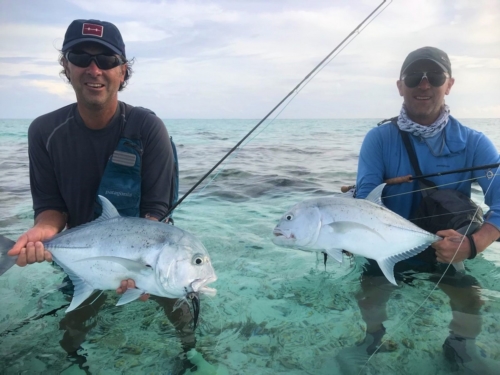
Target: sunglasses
<point>436,79</point>
<point>104,62</point>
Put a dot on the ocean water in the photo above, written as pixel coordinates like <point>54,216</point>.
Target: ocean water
<point>277,311</point>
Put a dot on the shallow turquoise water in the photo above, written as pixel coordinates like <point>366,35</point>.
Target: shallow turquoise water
<point>277,311</point>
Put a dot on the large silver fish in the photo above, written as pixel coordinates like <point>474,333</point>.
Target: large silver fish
<point>163,260</point>
<point>360,226</point>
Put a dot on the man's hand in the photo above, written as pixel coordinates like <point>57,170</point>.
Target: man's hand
<point>29,248</point>
<point>446,249</point>
<point>130,284</point>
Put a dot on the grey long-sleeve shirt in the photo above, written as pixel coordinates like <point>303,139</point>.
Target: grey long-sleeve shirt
<point>67,162</point>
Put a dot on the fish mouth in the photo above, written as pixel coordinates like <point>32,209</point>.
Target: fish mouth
<point>280,233</point>
<point>200,286</point>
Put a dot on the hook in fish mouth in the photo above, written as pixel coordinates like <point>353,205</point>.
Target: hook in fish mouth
<point>195,301</point>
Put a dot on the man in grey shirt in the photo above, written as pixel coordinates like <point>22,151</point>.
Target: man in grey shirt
<point>97,145</point>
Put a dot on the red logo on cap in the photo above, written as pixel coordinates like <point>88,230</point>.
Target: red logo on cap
<point>91,29</point>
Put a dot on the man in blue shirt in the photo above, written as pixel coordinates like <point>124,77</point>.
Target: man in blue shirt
<point>441,144</point>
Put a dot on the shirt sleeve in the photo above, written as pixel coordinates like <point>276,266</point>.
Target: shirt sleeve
<point>370,164</point>
<point>43,183</point>
<point>485,154</point>
<point>158,169</point>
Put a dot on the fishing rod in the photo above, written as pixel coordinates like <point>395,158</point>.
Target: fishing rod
<point>410,178</point>
<point>356,30</point>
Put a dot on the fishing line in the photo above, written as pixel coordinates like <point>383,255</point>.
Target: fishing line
<point>404,321</point>
<point>316,73</point>
<point>357,30</point>
<point>289,101</point>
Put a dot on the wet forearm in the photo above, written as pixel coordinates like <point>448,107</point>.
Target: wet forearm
<point>485,236</point>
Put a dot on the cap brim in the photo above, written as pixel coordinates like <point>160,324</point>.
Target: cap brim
<point>73,43</point>
<point>433,60</point>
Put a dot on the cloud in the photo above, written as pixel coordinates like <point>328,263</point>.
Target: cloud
<point>61,89</point>
<point>227,59</point>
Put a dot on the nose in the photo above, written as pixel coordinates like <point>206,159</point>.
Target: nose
<point>424,83</point>
<point>93,69</point>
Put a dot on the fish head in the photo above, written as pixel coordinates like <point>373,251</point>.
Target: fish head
<point>186,270</point>
<point>299,227</point>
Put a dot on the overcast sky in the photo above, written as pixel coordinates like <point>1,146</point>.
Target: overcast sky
<point>239,58</point>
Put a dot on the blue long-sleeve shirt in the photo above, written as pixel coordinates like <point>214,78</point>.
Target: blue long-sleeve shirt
<point>383,155</point>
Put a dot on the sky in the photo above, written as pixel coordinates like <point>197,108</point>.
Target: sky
<point>237,59</point>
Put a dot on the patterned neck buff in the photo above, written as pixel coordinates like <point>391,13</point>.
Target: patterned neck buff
<point>407,125</point>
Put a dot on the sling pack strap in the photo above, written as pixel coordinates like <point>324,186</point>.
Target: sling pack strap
<point>137,115</point>
<point>423,183</point>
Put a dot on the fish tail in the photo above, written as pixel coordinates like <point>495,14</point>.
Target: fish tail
<point>6,261</point>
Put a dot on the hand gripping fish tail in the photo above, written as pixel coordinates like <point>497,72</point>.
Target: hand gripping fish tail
<point>362,227</point>
<point>163,260</point>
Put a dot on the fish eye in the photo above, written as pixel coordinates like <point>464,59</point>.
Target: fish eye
<point>198,259</point>
<point>289,217</point>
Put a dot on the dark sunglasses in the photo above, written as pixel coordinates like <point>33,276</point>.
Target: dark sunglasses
<point>436,79</point>
<point>104,62</point>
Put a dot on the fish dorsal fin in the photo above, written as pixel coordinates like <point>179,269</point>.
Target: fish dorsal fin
<point>376,195</point>
<point>108,210</point>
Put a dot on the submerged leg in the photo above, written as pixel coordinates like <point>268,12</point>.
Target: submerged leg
<point>77,324</point>
<point>183,322</point>
<point>372,298</point>
<point>181,319</point>
<point>460,347</point>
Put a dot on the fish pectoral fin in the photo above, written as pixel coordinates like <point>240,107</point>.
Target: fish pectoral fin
<point>131,265</point>
<point>343,227</point>
<point>83,290</point>
<point>335,254</point>
<point>129,296</point>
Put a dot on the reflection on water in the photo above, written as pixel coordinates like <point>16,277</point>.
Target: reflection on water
<point>277,311</point>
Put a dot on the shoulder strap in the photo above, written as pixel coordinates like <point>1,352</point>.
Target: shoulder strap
<point>137,115</point>
<point>394,120</point>
<point>424,183</point>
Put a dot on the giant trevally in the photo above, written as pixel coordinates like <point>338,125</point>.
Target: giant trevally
<point>163,260</point>
<point>360,226</point>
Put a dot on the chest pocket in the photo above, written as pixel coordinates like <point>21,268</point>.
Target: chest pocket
<point>121,182</point>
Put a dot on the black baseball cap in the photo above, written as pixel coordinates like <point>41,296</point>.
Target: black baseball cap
<point>428,53</point>
<point>96,31</point>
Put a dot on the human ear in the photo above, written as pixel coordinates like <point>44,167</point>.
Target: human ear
<point>449,84</point>
<point>399,83</point>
